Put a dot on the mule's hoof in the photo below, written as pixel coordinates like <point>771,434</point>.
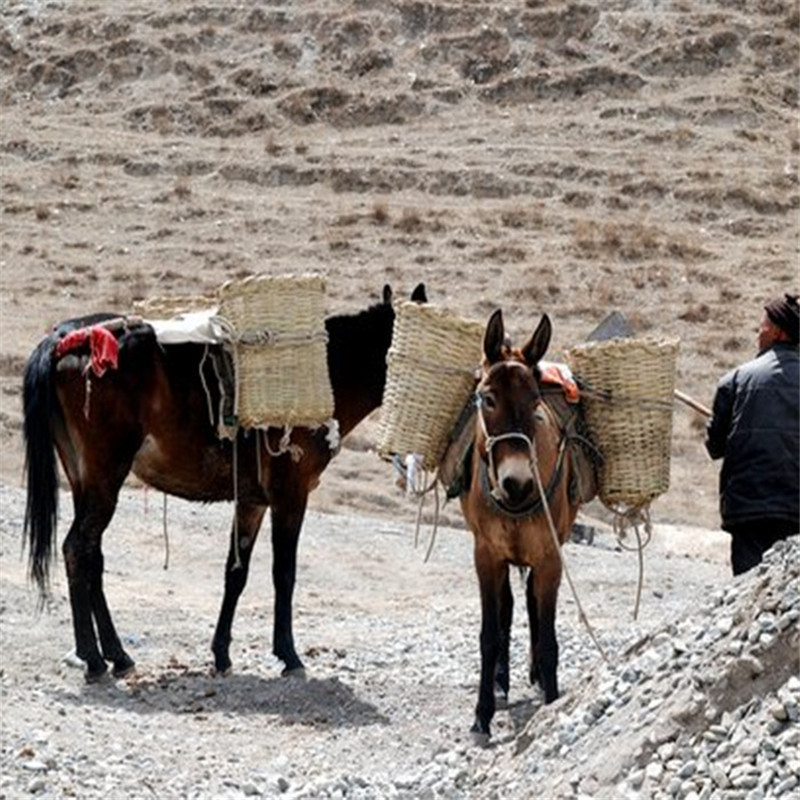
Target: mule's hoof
<point>500,699</point>
<point>222,673</point>
<point>298,673</point>
<point>479,738</point>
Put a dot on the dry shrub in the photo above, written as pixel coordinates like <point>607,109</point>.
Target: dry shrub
<point>631,242</point>
<point>696,313</point>
<point>42,212</point>
<point>272,146</point>
<point>380,212</point>
<point>409,222</point>
<point>182,190</point>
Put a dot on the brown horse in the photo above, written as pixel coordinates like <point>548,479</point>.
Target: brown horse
<point>519,465</point>
<point>150,416</point>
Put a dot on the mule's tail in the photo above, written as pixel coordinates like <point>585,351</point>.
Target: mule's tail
<point>41,410</point>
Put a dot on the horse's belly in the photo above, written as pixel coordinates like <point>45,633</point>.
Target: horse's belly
<point>184,471</point>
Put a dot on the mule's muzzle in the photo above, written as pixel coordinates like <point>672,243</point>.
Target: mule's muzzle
<point>516,493</point>
<point>514,487</point>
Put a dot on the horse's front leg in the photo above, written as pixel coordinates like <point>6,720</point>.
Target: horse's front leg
<point>244,533</point>
<point>542,596</point>
<point>492,575</point>
<point>287,519</point>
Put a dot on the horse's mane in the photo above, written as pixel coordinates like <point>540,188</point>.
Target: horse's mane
<point>361,340</point>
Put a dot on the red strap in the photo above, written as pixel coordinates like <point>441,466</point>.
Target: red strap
<point>103,346</point>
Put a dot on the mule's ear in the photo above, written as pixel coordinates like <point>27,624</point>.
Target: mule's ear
<point>387,294</point>
<point>539,342</point>
<point>419,295</point>
<point>494,337</point>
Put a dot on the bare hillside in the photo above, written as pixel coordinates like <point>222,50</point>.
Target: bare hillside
<point>541,156</point>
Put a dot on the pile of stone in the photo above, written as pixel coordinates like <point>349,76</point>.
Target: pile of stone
<point>707,708</point>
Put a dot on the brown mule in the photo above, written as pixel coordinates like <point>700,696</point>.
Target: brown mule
<point>519,463</point>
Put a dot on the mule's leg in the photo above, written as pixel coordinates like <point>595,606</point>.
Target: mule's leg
<point>287,519</point>
<point>502,673</point>
<point>492,576</point>
<point>533,624</point>
<point>248,524</point>
<point>542,599</point>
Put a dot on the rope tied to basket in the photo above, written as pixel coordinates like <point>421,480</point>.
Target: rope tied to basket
<point>276,339</point>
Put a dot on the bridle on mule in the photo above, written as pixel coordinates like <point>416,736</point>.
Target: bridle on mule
<point>488,471</point>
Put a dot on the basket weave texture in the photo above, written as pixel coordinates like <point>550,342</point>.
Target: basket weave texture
<point>430,376</point>
<point>277,326</point>
<point>170,307</point>
<point>627,392</point>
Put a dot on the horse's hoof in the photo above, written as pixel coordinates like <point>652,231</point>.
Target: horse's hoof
<point>222,673</point>
<point>123,667</point>
<point>96,674</point>
<point>295,672</point>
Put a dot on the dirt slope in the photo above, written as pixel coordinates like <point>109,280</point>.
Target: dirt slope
<point>539,156</point>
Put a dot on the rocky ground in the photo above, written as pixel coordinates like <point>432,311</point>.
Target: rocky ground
<point>697,698</point>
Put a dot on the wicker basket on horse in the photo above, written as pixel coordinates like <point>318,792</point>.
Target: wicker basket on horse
<point>170,307</point>
<point>430,375</point>
<point>627,388</point>
<point>277,328</point>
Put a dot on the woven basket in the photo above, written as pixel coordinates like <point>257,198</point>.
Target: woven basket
<point>170,307</point>
<point>277,327</point>
<point>430,375</point>
<point>627,392</point>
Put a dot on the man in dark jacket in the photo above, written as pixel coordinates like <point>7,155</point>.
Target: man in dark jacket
<point>755,429</point>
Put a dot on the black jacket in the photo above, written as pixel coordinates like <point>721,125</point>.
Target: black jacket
<point>755,429</point>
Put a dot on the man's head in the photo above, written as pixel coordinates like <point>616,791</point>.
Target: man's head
<point>781,322</point>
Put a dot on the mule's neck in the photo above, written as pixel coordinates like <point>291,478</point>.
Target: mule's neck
<point>357,348</point>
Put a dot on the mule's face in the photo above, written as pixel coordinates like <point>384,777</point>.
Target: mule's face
<point>508,397</point>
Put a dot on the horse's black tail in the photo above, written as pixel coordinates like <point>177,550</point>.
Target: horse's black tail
<point>40,406</point>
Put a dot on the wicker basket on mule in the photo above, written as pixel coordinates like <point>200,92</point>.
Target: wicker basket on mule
<point>431,368</point>
<point>276,327</point>
<point>627,389</point>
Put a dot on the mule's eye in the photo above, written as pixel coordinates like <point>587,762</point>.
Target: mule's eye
<point>488,401</point>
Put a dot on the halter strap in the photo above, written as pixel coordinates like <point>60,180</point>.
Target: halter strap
<point>487,471</point>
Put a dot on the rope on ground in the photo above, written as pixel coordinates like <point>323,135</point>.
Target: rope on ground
<point>166,533</point>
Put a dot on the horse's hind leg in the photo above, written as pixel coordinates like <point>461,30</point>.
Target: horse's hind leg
<point>109,640</point>
<point>542,595</point>
<point>247,525</point>
<point>83,558</point>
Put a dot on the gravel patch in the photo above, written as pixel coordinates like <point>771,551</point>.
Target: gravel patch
<point>699,696</point>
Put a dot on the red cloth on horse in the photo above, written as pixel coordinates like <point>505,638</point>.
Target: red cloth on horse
<point>103,347</point>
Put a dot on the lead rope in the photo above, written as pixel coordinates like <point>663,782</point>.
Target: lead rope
<point>633,518</point>
<point>166,534</point>
<point>581,613</point>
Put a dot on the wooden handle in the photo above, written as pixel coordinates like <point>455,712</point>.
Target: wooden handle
<point>692,403</point>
